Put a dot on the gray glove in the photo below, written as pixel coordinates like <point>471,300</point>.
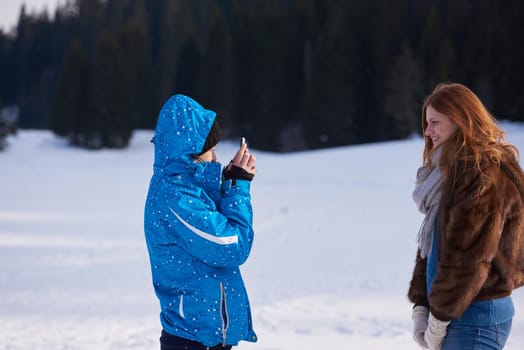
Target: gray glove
<point>419,315</point>
<point>436,332</point>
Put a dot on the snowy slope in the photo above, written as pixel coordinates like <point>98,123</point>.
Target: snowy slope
<point>333,253</point>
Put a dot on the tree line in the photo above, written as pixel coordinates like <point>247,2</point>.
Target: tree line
<point>288,74</point>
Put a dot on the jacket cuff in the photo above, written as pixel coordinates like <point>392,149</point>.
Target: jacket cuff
<point>242,185</point>
<point>419,300</point>
<point>439,316</point>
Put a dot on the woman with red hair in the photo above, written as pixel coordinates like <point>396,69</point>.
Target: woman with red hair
<point>471,242</point>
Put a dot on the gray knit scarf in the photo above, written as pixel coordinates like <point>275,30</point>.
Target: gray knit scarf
<point>427,195</point>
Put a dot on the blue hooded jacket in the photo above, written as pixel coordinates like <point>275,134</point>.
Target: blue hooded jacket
<point>198,232</point>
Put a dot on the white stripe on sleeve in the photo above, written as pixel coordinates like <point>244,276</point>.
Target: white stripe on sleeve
<point>207,236</point>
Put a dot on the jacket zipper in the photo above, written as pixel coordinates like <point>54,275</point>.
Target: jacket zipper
<point>223,313</point>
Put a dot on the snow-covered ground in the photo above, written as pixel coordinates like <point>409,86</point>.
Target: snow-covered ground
<point>333,253</point>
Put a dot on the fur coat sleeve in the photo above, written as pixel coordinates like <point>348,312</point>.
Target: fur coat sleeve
<point>417,293</point>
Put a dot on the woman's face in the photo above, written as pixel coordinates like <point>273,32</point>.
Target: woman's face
<point>209,156</point>
<point>440,127</point>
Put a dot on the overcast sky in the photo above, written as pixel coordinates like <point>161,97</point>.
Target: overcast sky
<point>10,10</point>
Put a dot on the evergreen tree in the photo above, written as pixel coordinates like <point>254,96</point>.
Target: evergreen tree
<point>6,71</point>
<point>3,130</point>
<point>508,51</point>
<point>404,94</point>
<point>110,124</point>
<point>382,27</point>
<point>182,30</point>
<point>332,65</point>
<point>88,22</point>
<point>70,107</point>
<point>136,63</point>
<point>117,14</point>
<point>479,54</point>
<point>272,86</point>
<point>216,83</point>
<point>32,66</point>
<point>186,68</point>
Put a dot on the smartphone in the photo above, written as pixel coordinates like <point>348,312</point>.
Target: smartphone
<point>242,141</point>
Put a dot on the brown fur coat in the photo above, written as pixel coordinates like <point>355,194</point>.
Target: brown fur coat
<point>481,241</point>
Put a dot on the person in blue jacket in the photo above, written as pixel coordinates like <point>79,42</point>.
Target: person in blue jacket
<point>198,228</point>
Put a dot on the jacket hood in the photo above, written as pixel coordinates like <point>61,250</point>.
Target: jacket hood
<point>181,131</point>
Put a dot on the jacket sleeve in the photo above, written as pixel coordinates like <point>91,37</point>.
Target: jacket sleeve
<point>218,236</point>
<point>418,292</point>
<point>471,229</point>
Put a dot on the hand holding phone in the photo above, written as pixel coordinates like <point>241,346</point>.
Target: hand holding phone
<point>243,158</point>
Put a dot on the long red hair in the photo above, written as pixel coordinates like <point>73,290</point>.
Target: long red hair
<point>478,137</point>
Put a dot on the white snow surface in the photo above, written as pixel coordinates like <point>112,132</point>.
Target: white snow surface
<point>335,242</point>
